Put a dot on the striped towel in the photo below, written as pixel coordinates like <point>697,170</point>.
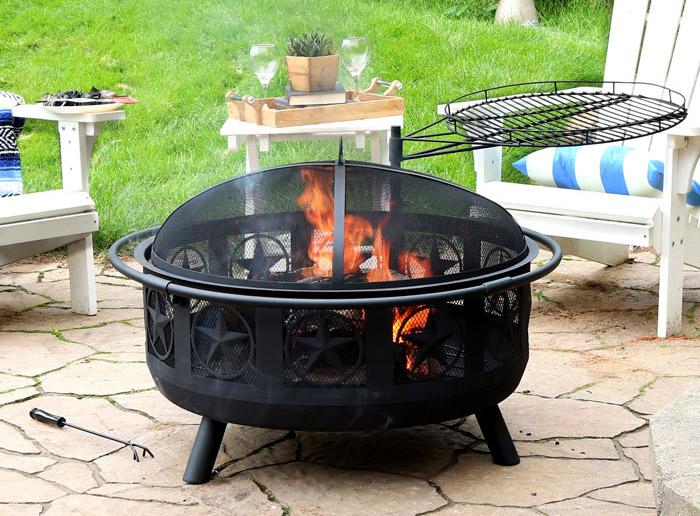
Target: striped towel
<point>10,169</point>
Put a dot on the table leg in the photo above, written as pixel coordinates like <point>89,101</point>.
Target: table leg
<point>252,156</point>
<point>375,146</point>
<point>76,140</point>
<point>384,147</point>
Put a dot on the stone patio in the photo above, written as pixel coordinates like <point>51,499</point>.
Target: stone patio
<point>579,417</point>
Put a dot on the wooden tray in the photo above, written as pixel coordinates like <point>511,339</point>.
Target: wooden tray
<point>262,111</point>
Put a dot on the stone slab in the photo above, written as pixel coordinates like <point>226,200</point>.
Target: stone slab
<point>24,463</point>
<point>18,394</point>
<point>530,418</point>
<point>172,495</point>
<point>31,354</point>
<point>23,488</point>
<point>662,392</point>
<point>158,407</point>
<point>676,456</point>
<point>419,451</point>
<point>463,509</point>
<point>114,378</point>
<point>238,495</point>
<point>581,506</point>
<point>638,494</point>
<point>535,481</point>
<point>88,505</point>
<point>76,476</point>
<point>337,491</point>
<point>614,387</point>
<point>553,373</point>
<point>641,457</point>
<point>281,453</point>
<point>637,439</point>
<point>564,448</point>
<point>14,300</point>
<point>49,318</point>
<point>11,439</point>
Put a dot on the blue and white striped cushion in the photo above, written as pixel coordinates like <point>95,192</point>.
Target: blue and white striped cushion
<point>596,168</point>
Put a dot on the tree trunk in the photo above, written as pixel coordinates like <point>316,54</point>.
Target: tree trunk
<point>517,11</point>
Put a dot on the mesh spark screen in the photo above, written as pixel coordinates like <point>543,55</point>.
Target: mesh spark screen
<point>281,226</point>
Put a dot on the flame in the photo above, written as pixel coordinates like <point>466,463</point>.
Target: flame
<point>317,201</point>
<point>414,266</point>
<point>381,253</point>
<point>405,320</point>
<point>357,230</point>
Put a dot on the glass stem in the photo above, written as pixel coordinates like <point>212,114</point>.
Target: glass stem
<point>357,84</point>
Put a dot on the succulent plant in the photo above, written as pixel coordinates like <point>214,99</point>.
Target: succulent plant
<point>311,44</point>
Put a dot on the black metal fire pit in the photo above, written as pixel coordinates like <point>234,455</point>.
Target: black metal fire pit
<point>255,314</point>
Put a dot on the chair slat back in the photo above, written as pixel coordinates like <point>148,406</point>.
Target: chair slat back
<point>624,42</point>
<point>684,66</point>
<point>657,42</point>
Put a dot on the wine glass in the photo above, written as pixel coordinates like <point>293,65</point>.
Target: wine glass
<point>264,59</point>
<point>355,54</point>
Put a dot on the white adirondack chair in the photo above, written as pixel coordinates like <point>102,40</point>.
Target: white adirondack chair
<point>654,41</point>
<point>34,223</point>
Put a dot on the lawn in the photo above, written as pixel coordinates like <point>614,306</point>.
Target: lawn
<point>180,57</point>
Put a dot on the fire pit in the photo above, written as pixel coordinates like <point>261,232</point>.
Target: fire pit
<point>257,313</point>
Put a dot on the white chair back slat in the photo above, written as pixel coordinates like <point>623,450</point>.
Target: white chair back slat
<point>624,42</point>
<point>659,41</point>
<point>685,65</point>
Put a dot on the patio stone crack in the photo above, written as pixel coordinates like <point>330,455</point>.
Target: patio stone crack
<point>287,436</point>
<point>286,510</point>
<point>624,458</point>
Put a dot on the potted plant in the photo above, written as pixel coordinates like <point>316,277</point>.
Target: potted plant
<point>312,64</point>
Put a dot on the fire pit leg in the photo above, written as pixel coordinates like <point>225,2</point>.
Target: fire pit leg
<point>497,437</point>
<point>204,451</point>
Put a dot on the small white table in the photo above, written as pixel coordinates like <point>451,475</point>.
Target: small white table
<point>258,137</point>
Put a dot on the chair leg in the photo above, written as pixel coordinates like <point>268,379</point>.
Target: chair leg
<point>81,266</point>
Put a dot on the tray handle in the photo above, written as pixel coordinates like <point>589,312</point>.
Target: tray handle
<point>392,86</point>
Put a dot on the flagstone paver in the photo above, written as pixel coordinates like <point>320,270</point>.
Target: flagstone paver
<point>587,506</point>
<point>579,417</point>
<point>531,418</point>
<point>76,476</point>
<point>535,481</point>
<point>114,378</point>
<point>637,494</point>
<point>337,491</point>
<point>420,452</point>
<point>662,392</point>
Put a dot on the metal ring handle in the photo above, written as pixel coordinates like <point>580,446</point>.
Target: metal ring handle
<point>485,289</point>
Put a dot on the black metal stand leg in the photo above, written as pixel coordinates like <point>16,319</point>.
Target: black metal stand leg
<point>204,451</point>
<point>497,437</point>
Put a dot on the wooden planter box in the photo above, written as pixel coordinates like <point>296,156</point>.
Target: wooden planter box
<point>312,73</point>
<point>263,112</point>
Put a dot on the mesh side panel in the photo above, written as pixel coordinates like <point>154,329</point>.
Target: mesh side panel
<point>324,348</point>
<point>222,342</point>
<point>160,338</point>
<point>503,324</point>
<point>428,343</point>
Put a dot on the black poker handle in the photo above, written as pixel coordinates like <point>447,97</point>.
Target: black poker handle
<point>46,417</point>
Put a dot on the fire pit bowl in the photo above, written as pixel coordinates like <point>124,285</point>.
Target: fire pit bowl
<point>255,314</point>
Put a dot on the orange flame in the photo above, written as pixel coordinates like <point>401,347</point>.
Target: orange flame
<point>317,201</point>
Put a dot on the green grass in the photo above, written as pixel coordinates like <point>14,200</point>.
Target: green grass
<point>180,57</point>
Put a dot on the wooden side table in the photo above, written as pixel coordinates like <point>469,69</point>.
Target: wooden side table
<point>258,137</point>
